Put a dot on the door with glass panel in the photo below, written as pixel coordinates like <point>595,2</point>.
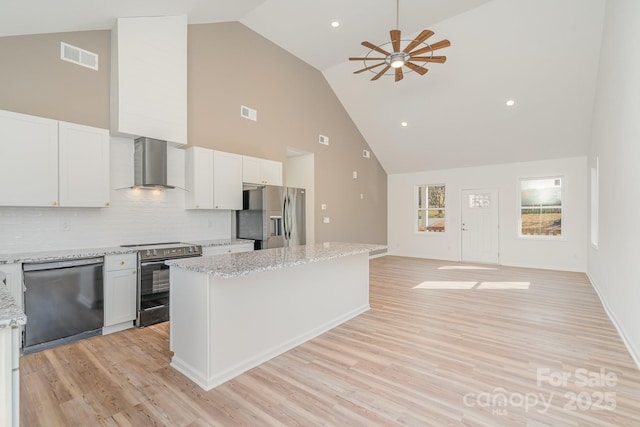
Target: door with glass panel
<point>480,227</point>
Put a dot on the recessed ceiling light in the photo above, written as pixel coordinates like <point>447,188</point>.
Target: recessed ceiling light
<point>335,24</point>
<point>404,124</point>
<point>511,103</point>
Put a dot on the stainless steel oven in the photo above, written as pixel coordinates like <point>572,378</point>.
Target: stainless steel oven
<point>153,278</point>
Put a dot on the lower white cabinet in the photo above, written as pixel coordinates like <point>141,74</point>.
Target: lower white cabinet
<point>227,249</point>
<point>14,281</point>
<point>120,280</point>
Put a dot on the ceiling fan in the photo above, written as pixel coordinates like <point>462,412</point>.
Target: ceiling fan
<point>415,51</point>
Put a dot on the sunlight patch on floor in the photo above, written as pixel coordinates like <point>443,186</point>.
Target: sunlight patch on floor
<point>504,285</point>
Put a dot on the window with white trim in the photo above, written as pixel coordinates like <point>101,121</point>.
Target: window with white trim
<point>431,208</point>
<point>541,207</point>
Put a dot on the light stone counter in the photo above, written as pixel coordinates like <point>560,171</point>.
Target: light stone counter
<point>10,313</point>
<point>63,254</point>
<point>245,263</point>
<point>219,242</point>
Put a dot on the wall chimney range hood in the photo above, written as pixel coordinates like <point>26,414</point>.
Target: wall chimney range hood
<point>150,164</point>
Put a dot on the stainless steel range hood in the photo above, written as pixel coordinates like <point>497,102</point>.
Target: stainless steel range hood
<point>150,164</point>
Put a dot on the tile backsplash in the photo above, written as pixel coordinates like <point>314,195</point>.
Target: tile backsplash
<point>135,216</point>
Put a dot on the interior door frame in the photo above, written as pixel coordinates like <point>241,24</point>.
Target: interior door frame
<point>460,208</point>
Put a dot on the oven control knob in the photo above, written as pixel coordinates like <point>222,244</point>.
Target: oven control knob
<point>155,252</point>
<point>148,253</point>
<point>191,249</point>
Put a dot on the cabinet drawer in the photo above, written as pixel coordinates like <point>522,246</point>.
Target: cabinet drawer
<point>120,262</point>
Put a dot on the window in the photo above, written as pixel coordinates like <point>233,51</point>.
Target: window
<point>541,207</point>
<point>431,208</point>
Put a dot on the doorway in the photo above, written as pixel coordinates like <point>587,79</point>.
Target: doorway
<point>480,230</point>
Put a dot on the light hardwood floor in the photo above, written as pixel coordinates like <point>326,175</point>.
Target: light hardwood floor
<point>419,357</point>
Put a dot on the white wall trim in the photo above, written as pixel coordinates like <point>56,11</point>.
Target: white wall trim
<point>635,354</point>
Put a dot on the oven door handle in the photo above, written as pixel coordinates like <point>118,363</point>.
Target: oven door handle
<point>144,264</point>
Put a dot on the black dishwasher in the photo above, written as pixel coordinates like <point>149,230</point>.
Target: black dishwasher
<point>63,302</point>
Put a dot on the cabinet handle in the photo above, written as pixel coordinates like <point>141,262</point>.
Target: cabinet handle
<point>106,204</point>
<point>54,203</point>
<point>133,272</point>
<point>197,206</point>
<point>216,206</point>
<point>121,262</point>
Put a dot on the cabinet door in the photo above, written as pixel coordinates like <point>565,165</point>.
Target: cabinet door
<point>84,165</point>
<point>119,296</point>
<point>199,178</point>
<point>242,247</point>
<point>227,181</point>
<point>251,170</point>
<point>271,172</point>
<point>28,160</point>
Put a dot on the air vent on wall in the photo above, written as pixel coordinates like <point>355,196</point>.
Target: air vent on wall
<point>324,140</point>
<point>78,56</point>
<point>366,154</point>
<point>248,113</point>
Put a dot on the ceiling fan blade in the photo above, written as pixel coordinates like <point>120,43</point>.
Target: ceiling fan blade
<point>395,40</point>
<point>439,45</point>
<point>420,70</point>
<point>369,68</point>
<point>384,70</point>
<point>398,74</point>
<point>376,48</point>
<point>366,59</point>
<point>438,59</point>
<point>425,34</point>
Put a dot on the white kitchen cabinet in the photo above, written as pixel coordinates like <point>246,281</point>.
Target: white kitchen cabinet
<point>227,181</point>
<point>120,282</point>
<point>261,171</point>
<point>213,179</point>
<point>29,156</point>
<point>149,78</point>
<point>84,165</point>
<point>199,178</point>
<point>14,281</point>
<point>227,249</point>
<point>51,163</point>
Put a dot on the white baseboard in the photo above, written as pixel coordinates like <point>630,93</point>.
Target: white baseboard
<point>117,327</point>
<point>635,354</point>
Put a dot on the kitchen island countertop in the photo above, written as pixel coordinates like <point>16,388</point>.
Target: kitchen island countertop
<point>245,263</point>
<point>10,313</point>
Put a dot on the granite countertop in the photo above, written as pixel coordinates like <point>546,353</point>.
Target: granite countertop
<point>218,242</point>
<point>10,313</point>
<point>245,263</point>
<point>63,254</point>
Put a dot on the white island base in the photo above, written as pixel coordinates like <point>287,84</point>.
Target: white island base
<point>224,326</point>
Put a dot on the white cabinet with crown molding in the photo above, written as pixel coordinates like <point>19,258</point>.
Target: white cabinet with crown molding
<point>213,179</point>
<point>149,78</point>
<point>52,163</point>
<point>261,171</point>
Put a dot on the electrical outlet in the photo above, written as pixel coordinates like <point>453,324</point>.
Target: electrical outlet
<point>326,220</point>
<point>361,196</point>
<point>355,174</point>
<point>65,226</point>
<point>323,206</point>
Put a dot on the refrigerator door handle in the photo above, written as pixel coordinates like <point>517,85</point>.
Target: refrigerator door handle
<point>284,217</point>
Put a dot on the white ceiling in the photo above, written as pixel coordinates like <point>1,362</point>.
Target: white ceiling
<point>541,53</point>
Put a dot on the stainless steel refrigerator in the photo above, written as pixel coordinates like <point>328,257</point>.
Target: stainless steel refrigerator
<point>273,216</point>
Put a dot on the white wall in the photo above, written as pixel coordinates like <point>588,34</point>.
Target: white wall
<point>135,216</point>
<point>613,267</point>
<point>569,253</point>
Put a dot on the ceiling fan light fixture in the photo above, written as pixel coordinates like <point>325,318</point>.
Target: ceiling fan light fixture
<point>397,59</point>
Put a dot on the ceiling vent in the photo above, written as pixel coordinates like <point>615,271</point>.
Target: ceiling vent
<point>78,56</point>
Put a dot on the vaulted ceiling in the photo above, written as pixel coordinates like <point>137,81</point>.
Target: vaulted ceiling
<point>543,54</point>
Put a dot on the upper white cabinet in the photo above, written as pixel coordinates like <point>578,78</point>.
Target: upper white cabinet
<point>84,165</point>
<point>213,179</point>
<point>199,178</point>
<point>261,171</point>
<point>29,160</point>
<point>51,163</point>
<point>227,181</point>
<point>149,78</point>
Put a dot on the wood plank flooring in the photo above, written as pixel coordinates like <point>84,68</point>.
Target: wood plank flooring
<point>419,357</point>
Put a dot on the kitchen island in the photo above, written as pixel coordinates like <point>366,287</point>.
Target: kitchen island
<point>230,313</point>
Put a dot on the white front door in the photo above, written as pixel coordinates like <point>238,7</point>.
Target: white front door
<point>480,227</point>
